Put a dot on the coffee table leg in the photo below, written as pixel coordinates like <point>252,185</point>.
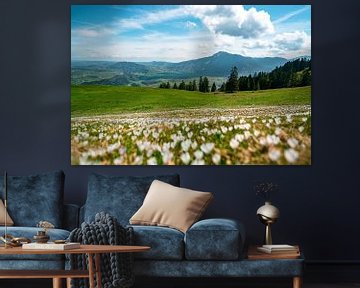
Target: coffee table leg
<point>297,282</point>
<point>91,270</point>
<point>57,283</point>
<point>98,270</point>
<point>68,282</point>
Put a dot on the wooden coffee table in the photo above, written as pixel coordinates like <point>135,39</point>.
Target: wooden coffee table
<point>92,251</point>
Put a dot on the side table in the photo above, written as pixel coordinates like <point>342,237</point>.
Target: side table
<point>289,259</point>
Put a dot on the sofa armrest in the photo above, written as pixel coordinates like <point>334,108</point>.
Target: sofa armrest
<point>215,239</point>
<point>71,216</point>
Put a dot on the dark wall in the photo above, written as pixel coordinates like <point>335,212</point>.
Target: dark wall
<point>318,203</point>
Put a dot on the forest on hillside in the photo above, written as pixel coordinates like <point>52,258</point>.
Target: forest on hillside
<point>296,73</point>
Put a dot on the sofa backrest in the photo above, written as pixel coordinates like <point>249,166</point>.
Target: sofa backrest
<point>35,198</point>
<point>120,196</point>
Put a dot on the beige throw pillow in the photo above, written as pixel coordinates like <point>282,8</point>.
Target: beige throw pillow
<point>170,206</point>
<point>9,221</point>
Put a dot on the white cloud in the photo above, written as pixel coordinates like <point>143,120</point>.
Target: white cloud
<point>92,32</point>
<point>292,41</point>
<point>291,14</point>
<point>151,18</point>
<point>233,20</point>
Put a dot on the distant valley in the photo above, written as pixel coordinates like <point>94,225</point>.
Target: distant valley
<point>216,67</point>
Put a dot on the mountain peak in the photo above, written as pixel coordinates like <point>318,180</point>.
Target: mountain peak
<point>221,53</point>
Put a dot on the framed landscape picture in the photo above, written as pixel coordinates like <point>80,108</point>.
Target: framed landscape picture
<point>191,84</point>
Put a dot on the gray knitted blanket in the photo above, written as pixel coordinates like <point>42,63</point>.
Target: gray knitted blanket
<point>116,268</point>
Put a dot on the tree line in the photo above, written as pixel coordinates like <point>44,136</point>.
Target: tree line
<point>203,86</point>
<point>294,73</point>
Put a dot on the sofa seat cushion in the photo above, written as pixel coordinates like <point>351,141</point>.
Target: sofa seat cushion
<point>166,243</point>
<point>214,239</point>
<point>120,196</point>
<point>29,232</point>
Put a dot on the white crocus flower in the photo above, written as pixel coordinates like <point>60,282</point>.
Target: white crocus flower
<point>240,137</point>
<point>272,139</point>
<point>292,142</point>
<point>256,133</point>
<point>198,154</point>
<point>291,155</point>
<point>263,141</point>
<point>185,158</point>
<point>278,131</point>
<point>119,160</point>
<point>274,154</point>
<point>207,147</point>
<point>216,158</point>
<point>152,161</point>
<point>167,156</point>
<point>247,135</point>
<point>234,143</point>
<point>224,129</point>
<point>198,162</point>
<point>194,145</point>
<point>301,129</point>
<point>185,145</point>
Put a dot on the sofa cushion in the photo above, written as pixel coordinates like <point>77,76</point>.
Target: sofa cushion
<point>9,221</point>
<point>170,206</point>
<point>214,239</point>
<point>35,198</point>
<point>120,196</point>
<point>29,232</point>
<point>165,243</point>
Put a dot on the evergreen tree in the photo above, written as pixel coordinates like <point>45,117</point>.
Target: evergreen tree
<point>175,86</point>
<point>206,85</point>
<point>213,87</point>
<point>194,85</point>
<point>201,85</point>
<point>232,84</point>
<point>222,88</point>
<point>182,85</point>
<point>167,85</point>
<point>191,87</point>
<point>306,78</point>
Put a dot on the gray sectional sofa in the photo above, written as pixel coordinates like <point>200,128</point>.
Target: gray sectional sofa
<point>210,248</point>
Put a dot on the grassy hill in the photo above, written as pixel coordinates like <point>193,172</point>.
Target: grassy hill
<point>100,100</point>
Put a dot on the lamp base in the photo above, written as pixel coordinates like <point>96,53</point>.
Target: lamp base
<point>268,237</point>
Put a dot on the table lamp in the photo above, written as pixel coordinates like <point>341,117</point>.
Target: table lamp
<point>268,214</point>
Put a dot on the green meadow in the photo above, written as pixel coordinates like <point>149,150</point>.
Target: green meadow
<point>105,100</point>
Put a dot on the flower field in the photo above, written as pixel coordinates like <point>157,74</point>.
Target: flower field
<point>205,136</point>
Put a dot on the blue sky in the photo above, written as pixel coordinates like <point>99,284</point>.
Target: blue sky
<point>182,32</point>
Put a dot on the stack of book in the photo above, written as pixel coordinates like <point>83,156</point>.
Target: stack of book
<point>274,252</point>
<point>279,249</point>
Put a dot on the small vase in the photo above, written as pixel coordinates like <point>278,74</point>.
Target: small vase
<point>41,237</point>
